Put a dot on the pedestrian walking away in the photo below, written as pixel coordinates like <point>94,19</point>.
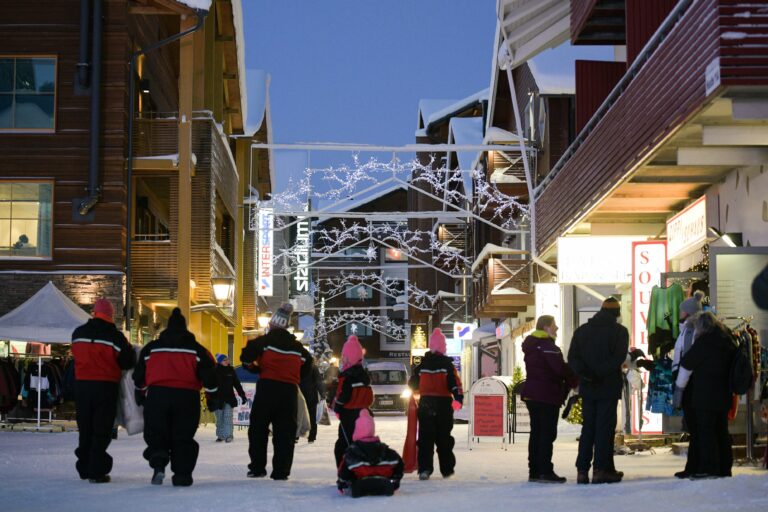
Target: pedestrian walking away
<point>168,377</point>
<point>597,352</point>
<point>369,467</point>
<point>281,361</point>
<point>703,385</point>
<point>101,352</point>
<point>439,386</point>
<point>313,389</point>
<point>353,394</point>
<point>548,380</point>
<point>223,401</point>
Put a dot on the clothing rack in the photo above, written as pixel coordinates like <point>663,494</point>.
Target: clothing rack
<point>745,321</point>
<point>39,358</point>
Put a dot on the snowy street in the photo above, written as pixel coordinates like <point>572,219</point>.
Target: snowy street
<point>37,471</point>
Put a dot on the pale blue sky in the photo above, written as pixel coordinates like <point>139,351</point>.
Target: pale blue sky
<point>355,70</point>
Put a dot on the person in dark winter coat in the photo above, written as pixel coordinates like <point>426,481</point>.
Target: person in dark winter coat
<point>760,289</point>
<point>168,377</point>
<point>353,394</point>
<point>312,387</point>
<point>548,379</point>
<point>703,384</point>
<point>369,467</point>
<point>439,386</point>
<point>281,361</point>
<point>223,401</point>
<point>597,352</point>
<point>101,352</point>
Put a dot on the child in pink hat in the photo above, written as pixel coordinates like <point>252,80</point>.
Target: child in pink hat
<point>369,467</point>
<point>353,393</point>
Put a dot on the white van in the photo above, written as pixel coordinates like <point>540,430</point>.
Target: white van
<point>389,381</point>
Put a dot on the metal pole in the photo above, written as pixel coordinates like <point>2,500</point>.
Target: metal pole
<point>39,386</point>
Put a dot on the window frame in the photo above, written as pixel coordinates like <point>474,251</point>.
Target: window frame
<point>55,92</point>
<point>51,182</point>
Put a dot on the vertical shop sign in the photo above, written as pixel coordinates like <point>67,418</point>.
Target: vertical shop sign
<point>301,277</point>
<point>649,260</point>
<point>265,252</point>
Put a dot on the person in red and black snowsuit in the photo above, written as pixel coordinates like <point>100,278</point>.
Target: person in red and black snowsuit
<point>353,394</point>
<point>369,467</point>
<point>101,352</point>
<point>439,385</point>
<point>282,361</point>
<point>168,377</point>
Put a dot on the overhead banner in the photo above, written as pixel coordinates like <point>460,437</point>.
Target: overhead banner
<point>595,259</point>
<point>687,230</point>
<point>649,261</point>
<point>265,253</point>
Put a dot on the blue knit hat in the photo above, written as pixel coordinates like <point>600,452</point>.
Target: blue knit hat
<point>220,358</point>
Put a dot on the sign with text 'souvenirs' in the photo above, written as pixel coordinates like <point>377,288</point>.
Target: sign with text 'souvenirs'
<point>649,261</point>
<point>264,284</point>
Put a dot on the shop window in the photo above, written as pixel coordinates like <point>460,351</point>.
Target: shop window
<point>27,93</point>
<point>359,292</point>
<point>153,209</point>
<point>355,252</point>
<point>25,220</point>
<point>358,329</point>
<point>395,255</point>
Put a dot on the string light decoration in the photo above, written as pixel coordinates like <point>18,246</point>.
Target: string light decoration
<point>381,324</point>
<point>413,295</point>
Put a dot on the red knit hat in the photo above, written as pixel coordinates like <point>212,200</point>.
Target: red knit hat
<point>102,309</point>
<point>364,426</point>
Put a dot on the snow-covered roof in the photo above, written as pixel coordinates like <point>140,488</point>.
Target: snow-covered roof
<point>367,199</point>
<point>551,83</point>
<point>258,94</point>
<point>48,316</point>
<point>494,134</point>
<point>466,131</point>
<point>427,108</point>
<point>197,4</point>
<point>457,106</point>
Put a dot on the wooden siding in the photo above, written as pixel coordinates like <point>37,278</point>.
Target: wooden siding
<point>667,91</point>
<point>581,10</point>
<point>594,82</point>
<point>53,28</point>
<point>644,17</point>
<point>599,22</point>
<point>743,61</point>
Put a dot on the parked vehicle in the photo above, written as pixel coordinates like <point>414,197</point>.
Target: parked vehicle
<point>389,381</point>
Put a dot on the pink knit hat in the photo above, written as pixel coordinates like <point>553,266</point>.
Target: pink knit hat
<point>351,353</point>
<point>437,341</point>
<point>103,309</point>
<point>364,426</point>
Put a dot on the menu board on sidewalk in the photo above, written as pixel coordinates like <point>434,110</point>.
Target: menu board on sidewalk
<point>488,415</point>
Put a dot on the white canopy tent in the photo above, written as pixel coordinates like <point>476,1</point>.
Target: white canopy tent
<point>48,316</point>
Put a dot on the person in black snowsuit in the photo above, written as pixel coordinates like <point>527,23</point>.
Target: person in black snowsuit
<point>312,388</point>
<point>439,386</point>
<point>369,467</point>
<point>282,361</point>
<point>168,377</point>
<point>101,353</point>
<point>353,394</point>
<point>597,352</point>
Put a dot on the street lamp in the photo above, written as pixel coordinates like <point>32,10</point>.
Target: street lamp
<point>222,288</point>
<point>263,319</point>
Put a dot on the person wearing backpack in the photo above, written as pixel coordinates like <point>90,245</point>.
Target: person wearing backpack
<point>704,384</point>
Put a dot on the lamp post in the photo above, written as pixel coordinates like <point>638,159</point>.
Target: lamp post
<point>222,289</point>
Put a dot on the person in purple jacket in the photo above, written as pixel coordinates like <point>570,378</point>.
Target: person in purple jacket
<point>548,379</point>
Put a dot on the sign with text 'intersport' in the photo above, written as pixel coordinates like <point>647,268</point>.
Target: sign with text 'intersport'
<point>266,233</point>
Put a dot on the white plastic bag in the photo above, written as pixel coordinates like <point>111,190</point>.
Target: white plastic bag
<point>130,415</point>
<point>302,416</point>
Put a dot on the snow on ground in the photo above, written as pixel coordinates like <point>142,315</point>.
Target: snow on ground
<point>37,473</point>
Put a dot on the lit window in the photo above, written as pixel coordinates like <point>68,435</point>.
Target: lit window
<point>25,220</point>
<point>395,255</point>
<point>27,93</point>
<point>359,292</point>
<point>359,330</point>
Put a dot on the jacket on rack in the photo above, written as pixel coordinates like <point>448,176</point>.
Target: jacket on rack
<point>101,351</point>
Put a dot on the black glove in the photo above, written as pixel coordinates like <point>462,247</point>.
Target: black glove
<point>677,397</point>
<point>140,397</point>
<point>646,364</point>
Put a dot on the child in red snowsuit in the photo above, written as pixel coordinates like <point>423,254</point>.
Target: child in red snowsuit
<point>369,467</point>
<point>353,394</point>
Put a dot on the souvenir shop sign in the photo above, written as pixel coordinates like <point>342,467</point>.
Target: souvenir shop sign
<point>242,413</point>
<point>687,230</point>
<point>594,259</point>
<point>649,261</point>
<point>264,285</point>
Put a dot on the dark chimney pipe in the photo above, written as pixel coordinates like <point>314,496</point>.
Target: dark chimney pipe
<point>82,63</point>
<point>93,170</point>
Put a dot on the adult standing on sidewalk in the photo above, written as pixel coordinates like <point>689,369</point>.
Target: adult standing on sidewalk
<point>223,401</point>
<point>281,361</point>
<point>439,385</point>
<point>168,377</point>
<point>313,389</point>
<point>101,352</point>
<point>548,379</point>
<point>597,352</point>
